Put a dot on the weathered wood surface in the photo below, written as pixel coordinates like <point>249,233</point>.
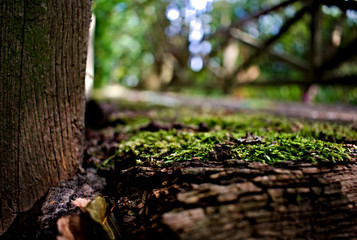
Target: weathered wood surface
<point>235,199</point>
<point>43,47</point>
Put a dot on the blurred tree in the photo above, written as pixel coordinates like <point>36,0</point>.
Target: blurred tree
<point>129,40</point>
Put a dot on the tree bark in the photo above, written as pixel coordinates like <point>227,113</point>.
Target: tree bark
<point>43,46</point>
<point>235,199</point>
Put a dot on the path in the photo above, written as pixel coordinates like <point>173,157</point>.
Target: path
<point>310,111</point>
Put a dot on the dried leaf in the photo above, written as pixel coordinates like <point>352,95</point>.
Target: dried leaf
<point>64,229</point>
<point>71,227</point>
<point>102,212</point>
<point>249,138</point>
<point>81,203</point>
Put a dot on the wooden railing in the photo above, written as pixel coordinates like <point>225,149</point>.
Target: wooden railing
<point>319,61</point>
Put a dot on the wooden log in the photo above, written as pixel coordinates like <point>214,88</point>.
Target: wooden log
<point>235,199</point>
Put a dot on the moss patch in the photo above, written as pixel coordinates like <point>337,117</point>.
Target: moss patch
<point>183,135</point>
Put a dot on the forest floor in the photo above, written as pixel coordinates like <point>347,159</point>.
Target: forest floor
<point>209,169</point>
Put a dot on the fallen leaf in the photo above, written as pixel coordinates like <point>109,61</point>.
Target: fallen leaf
<point>249,138</point>
<point>102,212</point>
<point>64,229</point>
<point>71,227</point>
<point>81,203</point>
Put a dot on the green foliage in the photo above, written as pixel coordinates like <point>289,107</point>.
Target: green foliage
<point>124,40</point>
<point>324,94</point>
<point>131,48</point>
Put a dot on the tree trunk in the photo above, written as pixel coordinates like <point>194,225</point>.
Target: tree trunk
<point>43,46</point>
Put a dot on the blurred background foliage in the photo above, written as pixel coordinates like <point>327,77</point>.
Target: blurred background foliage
<point>197,47</point>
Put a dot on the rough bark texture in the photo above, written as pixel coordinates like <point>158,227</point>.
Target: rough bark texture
<point>234,199</point>
<point>43,48</point>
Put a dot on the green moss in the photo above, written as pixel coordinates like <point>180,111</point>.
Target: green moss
<point>236,136</point>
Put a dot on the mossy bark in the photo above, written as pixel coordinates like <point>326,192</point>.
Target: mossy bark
<point>43,46</point>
